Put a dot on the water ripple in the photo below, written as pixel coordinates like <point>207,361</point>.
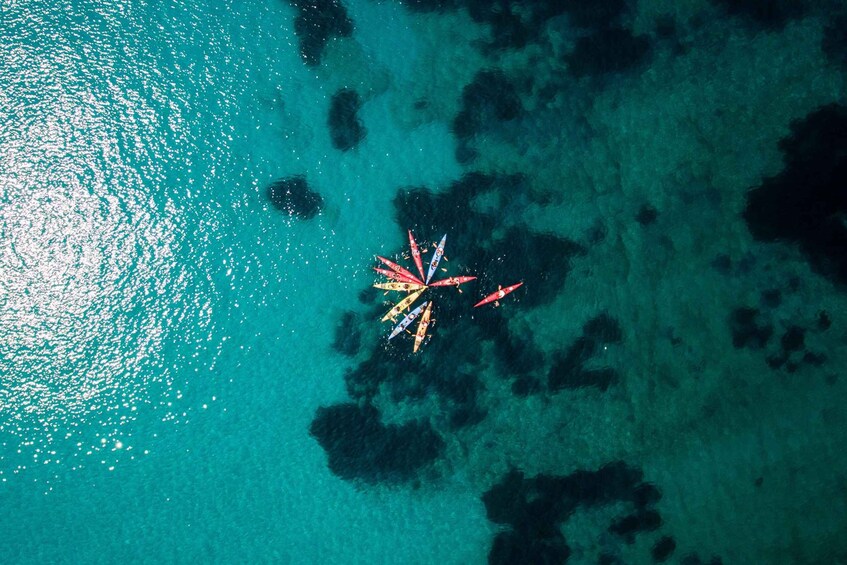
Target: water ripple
<point>97,273</point>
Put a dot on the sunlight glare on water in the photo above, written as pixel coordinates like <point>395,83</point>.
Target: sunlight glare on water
<point>92,287</point>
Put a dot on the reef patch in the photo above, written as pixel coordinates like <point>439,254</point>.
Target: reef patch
<point>293,196</point>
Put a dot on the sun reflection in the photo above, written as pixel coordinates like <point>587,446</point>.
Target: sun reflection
<point>89,280</point>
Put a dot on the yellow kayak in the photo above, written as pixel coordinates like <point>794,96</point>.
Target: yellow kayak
<point>402,286</point>
<point>403,304</point>
<point>422,326</point>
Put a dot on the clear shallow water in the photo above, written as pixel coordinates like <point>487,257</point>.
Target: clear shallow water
<point>166,334</point>
<point>165,345</point>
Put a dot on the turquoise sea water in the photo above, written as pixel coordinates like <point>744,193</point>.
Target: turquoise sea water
<point>168,336</point>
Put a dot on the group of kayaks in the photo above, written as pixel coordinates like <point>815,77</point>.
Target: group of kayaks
<point>403,280</point>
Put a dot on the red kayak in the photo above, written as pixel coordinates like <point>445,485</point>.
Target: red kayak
<point>400,270</point>
<point>395,276</point>
<point>494,296</point>
<point>452,281</point>
<point>416,254</point>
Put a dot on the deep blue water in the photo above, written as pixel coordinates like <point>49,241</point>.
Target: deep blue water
<point>192,366</point>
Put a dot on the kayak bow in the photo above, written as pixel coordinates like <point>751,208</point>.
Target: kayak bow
<point>401,286</point>
<point>410,317</point>
<point>400,270</point>
<point>416,254</point>
<point>402,305</point>
<point>422,326</point>
<point>498,294</point>
<point>439,252</point>
<point>452,281</point>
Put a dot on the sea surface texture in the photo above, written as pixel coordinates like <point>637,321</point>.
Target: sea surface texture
<point>192,363</point>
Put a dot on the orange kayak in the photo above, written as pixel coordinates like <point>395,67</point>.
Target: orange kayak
<point>497,295</point>
<point>422,326</point>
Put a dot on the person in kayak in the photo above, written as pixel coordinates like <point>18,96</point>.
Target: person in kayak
<point>455,281</point>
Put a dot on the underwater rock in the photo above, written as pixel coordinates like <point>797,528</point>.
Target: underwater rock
<point>663,549</point>
<point>614,481</point>
<point>746,329</point>
<point>359,446</point>
<point>602,329</point>
<point>834,42</point>
<point>465,154</point>
<point>596,233</point>
<point>536,507</point>
<point>647,215</point>
<point>521,548</point>
<point>489,99</point>
<point>666,27</point>
<point>594,15</point>
<point>363,382</point>
<point>722,264</point>
<point>806,202</point>
<point>646,494</point>
<point>793,339</point>
<point>550,255</point>
<point>392,372</point>
<point>345,127</point>
<point>439,211</point>
<point>348,336</point>
<point>598,378</point>
<point>776,361</point>
<point>771,298</point>
<point>640,522</point>
<point>316,23</point>
<point>505,502</point>
<point>366,296</point>
<point>514,28</point>
<point>567,370</point>
<point>567,366</point>
<point>466,416</point>
<point>766,15</point>
<point>608,559</point>
<point>824,321</point>
<point>458,392</point>
<point>516,354</point>
<point>524,386</point>
<point>611,50</point>
<point>814,359</point>
<point>517,499</point>
<point>292,195</point>
<point>508,30</point>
